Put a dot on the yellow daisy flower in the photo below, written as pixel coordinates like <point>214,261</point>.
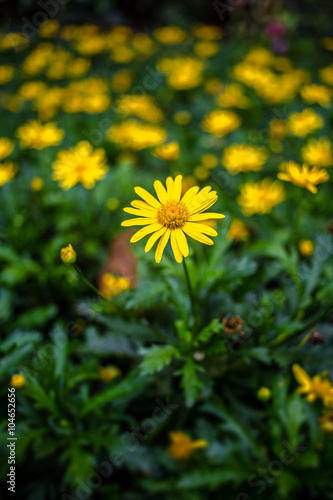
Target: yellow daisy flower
<point>35,135</point>
<point>303,176</point>
<point>260,197</point>
<point>6,147</point>
<point>243,158</point>
<point>318,152</point>
<point>167,152</point>
<point>305,122</point>
<point>316,94</point>
<point>220,122</point>
<point>173,217</point>
<point>135,135</point>
<point>170,35</point>
<point>326,422</point>
<point>182,446</point>
<point>7,172</point>
<point>316,387</point>
<point>113,285</point>
<point>108,373</point>
<point>80,164</point>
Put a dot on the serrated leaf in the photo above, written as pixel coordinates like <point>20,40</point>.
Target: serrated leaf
<point>157,357</point>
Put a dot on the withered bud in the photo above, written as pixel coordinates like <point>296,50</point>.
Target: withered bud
<point>233,324</point>
<point>316,337</point>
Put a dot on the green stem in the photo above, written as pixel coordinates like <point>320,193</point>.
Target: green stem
<point>87,282</point>
<point>192,296</point>
<point>297,219</point>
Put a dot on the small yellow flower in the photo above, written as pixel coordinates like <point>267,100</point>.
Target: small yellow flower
<point>35,135</point>
<point>122,54</point>
<point>142,106</point>
<point>113,285</point>
<point>80,164</point>
<point>264,393</point>
<point>37,184</point>
<point>209,160</point>
<point>220,122</point>
<point>6,73</point>
<point>238,230</point>
<point>206,49</point>
<point>122,80</point>
<point>317,94</point>
<point>182,446</point>
<point>243,158</point>
<point>182,72</point>
<point>304,123</point>
<point>318,152</point>
<point>170,35</point>
<point>306,248</point>
<point>316,387</point>
<point>260,197</point>
<point>17,381</point>
<point>201,173</point>
<point>303,176</point>
<point>108,373</point>
<point>167,152</point>
<point>207,32</point>
<point>49,29</point>
<point>31,90</point>
<point>8,170</point>
<point>326,75</point>
<point>182,117</point>
<point>135,135</point>
<point>68,254</point>
<point>6,147</point>
<point>326,422</point>
<point>173,217</point>
<point>232,96</point>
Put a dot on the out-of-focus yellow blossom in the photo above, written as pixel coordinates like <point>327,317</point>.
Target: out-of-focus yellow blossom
<point>220,122</point>
<point>277,129</point>
<point>89,95</point>
<point>182,117</point>
<point>49,29</point>
<point>182,446</point>
<point>36,60</point>
<point>142,106</point>
<point>182,72</point>
<point>112,204</point>
<point>316,94</point>
<point>318,152</point>
<point>68,254</point>
<point>327,43</point>
<point>304,123</point>
<point>6,147</point>
<point>238,230</point>
<point>213,86</point>
<point>251,75</point>
<point>278,89</point>
<point>209,160</point>
<point>326,75</point>
<point>326,422</point>
<point>78,67</point>
<point>206,49</point>
<point>170,35</point>
<point>69,32</point>
<point>306,248</point>
<point>37,184</point>
<point>8,170</point>
<point>14,40</point>
<point>264,393</point>
<point>114,285</point>
<point>167,152</point>
<point>122,54</point>
<point>48,102</point>
<point>316,387</point>
<point>90,45</point>
<point>31,90</point>
<point>243,158</point>
<point>6,73</point>
<point>122,80</point>
<point>303,176</point>
<point>143,44</point>
<point>17,381</point>
<point>259,56</point>
<point>36,135</point>
<point>118,35</point>
<point>80,164</point>
<point>201,173</point>
<point>260,197</point>
<point>207,32</point>
<point>108,373</point>
<point>135,135</point>
<point>232,96</point>
<point>282,64</point>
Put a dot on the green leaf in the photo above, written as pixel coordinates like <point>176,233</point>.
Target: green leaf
<point>215,326</point>
<point>190,381</point>
<point>11,361</point>
<point>157,357</point>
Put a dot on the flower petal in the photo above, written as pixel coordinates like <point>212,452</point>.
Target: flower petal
<point>188,229</point>
<point>206,216</point>
<point>182,242</point>
<point>175,248</point>
<point>140,212</point>
<point>150,199</point>
<point>153,238</point>
<point>143,204</point>
<point>189,195</point>
<point>161,246</point>
<point>144,231</point>
<point>202,228</point>
<point>177,187</point>
<point>169,184</point>
<point>138,221</point>
<point>161,191</point>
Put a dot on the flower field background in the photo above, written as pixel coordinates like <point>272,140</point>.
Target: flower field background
<point>189,357</point>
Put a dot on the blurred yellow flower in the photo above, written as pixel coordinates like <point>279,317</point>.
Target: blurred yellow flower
<point>31,90</point>
<point>143,44</point>
<point>122,80</point>
<point>182,446</point>
<point>209,160</point>
<point>113,285</point>
<point>68,254</point>
<point>37,184</point>
<point>277,129</point>
<point>201,173</point>
<point>259,56</point>
<point>6,73</point>
<point>112,204</point>
<point>316,387</point>
<point>207,32</point>
<point>318,152</point>
<point>78,67</point>
<point>6,147</point>
<point>326,74</point>
<point>171,217</point>
<point>303,176</point>
<point>243,158</point>
<point>8,170</point>
<point>264,393</point>
<point>122,54</point>
<point>232,96</point>
<point>142,106</point>
<point>316,94</point>
<point>306,248</point>
<point>49,29</point>
<point>260,197</point>
<point>167,152</point>
<point>135,135</point>
<point>220,122</point>
<point>13,40</point>
<point>182,117</point>
<point>108,373</point>
<point>17,381</point>
<point>170,35</point>
<point>182,72</point>
<point>238,230</point>
<point>205,49</point>
<point>326,422</point>
<point>305,122</point>
<point>80,164</point>
<point>36,135</point>
<point>91,44</point>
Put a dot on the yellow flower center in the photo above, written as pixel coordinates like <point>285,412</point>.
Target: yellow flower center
<point>173,214</point>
